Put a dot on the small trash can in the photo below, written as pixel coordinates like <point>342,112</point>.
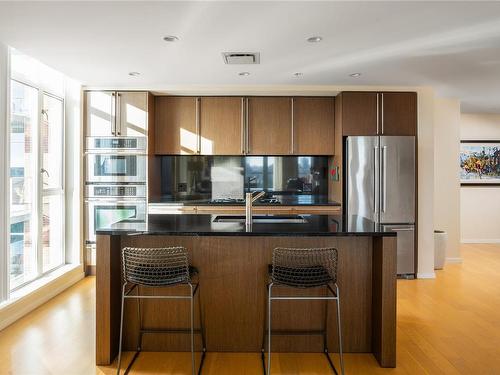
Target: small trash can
<point>440,242</point>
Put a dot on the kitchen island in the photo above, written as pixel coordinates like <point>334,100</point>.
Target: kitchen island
<point>233,264</point>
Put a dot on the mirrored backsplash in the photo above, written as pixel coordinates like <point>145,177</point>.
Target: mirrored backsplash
<point>205,178</point>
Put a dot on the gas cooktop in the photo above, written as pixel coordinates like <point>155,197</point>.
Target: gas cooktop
<point>242,201</point>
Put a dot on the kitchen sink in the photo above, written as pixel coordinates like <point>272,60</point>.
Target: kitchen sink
<point>262,219</point>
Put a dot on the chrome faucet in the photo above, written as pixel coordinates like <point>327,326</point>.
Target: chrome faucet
<point>249,199</point>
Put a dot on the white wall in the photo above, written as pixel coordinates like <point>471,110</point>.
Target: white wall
<point>446,173</point>
<point>4,69</point>
<point>73,168</point>
<point>480,206</point>
<point>425,209</point>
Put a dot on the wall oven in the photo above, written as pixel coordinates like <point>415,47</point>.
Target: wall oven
<point>115,189</point>
<point>116,168</point>
<point>103,213</point>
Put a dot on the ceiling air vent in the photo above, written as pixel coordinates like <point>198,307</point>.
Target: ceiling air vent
<point>241,57</point>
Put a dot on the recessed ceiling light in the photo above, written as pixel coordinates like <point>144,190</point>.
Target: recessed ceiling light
<point>314,39</point>
<point>170,38</point>
<point>134,74</point>
<point>244,74</point>
<point>298,74</point>
<point>355,75</point>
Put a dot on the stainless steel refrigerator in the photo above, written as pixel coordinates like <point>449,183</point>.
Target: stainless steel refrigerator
<point>380,185</point>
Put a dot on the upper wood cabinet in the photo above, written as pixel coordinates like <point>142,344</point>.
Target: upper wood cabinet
<point>132,112</point>
<point>372,113</point>
<point>176,125</point>
<point>221,125</point>
<point>399,113</point>
<point>313,126</point>
<point>269,130</point>
<point>99,114</point>
<point>116,113</point>
<point>244,126</point>
<point>359,113</point>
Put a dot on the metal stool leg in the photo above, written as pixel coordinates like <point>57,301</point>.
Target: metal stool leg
<point>139,320</point>
<point>191,299</point>
<point>325,325</point>
<point>202,332</point>
<point>269,300</point>
<point>121,331</point>
<point>264,333</point>
<point>325,335</point>
<point>339,329</point>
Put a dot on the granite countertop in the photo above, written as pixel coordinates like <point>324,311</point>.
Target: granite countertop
<point>284,200</point>
<point>204,225</point>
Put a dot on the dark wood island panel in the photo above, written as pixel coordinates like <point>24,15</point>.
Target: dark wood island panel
<point>233,276</point>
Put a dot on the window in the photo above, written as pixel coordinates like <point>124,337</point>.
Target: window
<point>36,189</point>
<point>23,115</point>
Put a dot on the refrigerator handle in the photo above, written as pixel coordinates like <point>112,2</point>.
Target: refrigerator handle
<point>375,187</point>
<point>384,177</point>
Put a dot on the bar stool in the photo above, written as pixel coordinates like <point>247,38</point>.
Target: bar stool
<point>159,267</point>
<point>303,268</point>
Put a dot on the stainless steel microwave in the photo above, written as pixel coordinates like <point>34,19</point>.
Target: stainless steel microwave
<point>116,168</point>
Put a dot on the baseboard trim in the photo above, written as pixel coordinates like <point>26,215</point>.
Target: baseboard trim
<point>90,270</point>
<point>12,311</point>
<point>454,260</point>
<point>426,275</point>
<point>491,240</point>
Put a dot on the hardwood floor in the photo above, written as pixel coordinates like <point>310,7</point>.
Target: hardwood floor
<point>450,325</point>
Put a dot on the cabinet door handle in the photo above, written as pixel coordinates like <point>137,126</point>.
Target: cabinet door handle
<point>384,177</point>
<point>247,127</point>
<point>375,171</point>
<point>197,125</point>
<point>378,114</point>
<point>113,114</point>
<point>382,105</point>
<point>243,125</point>
<point>118,117</point>
<point>293,130</point>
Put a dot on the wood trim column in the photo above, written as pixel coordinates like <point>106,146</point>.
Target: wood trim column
<point>108,298</point>
<point>384,301</point>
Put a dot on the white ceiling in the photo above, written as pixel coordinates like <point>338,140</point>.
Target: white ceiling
<point>454,47</point>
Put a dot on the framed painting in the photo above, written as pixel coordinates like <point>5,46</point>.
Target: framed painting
<point>480,163</point>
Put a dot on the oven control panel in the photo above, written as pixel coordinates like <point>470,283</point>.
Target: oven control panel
<point>107,191</point>
<point>115,143</point>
